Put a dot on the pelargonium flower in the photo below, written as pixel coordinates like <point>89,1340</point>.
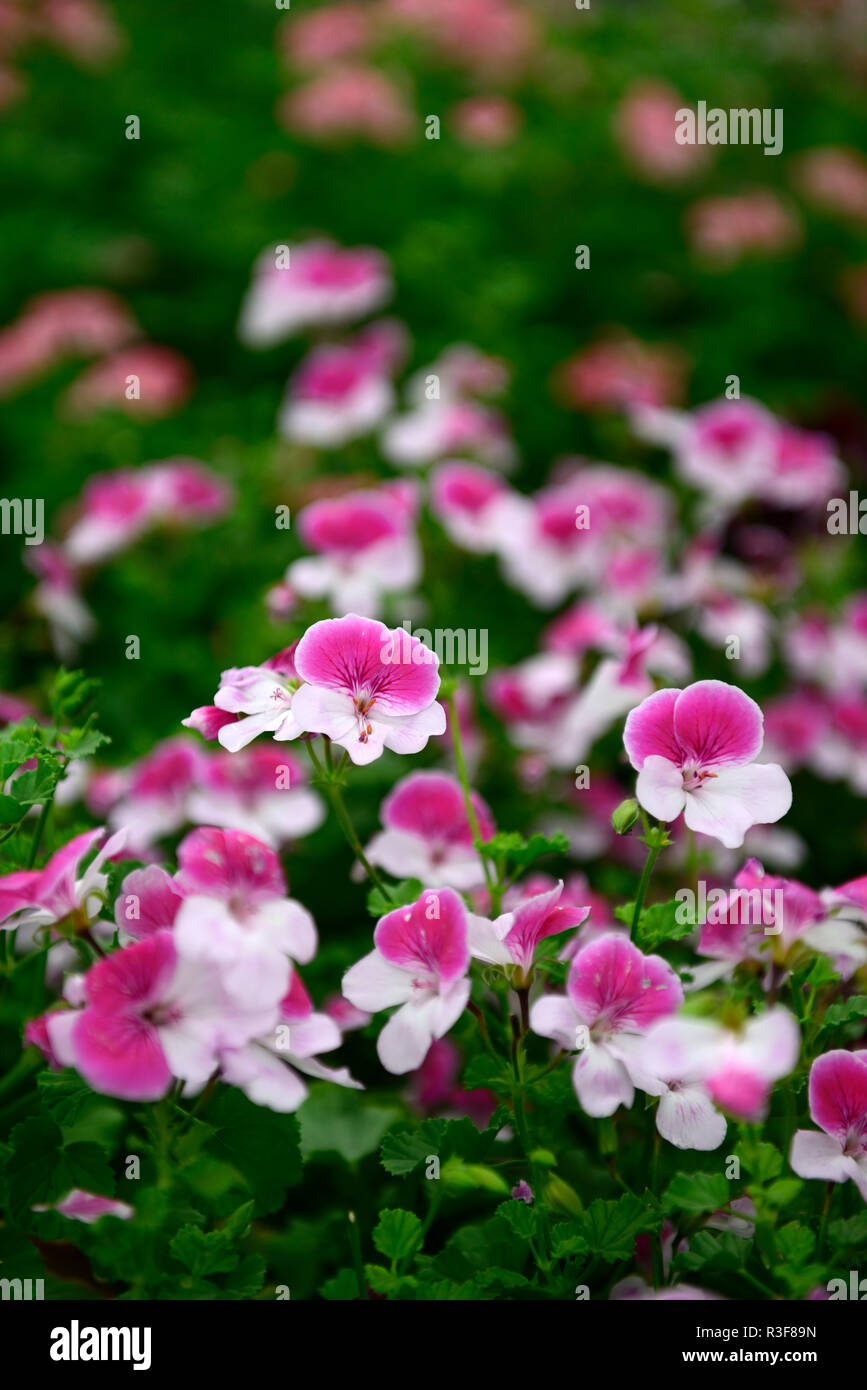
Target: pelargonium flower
<point>155,800</point>
<point>464,497</point>
<point>151,1016</point>
<point>365,546</point>
<point>323,284</point>
<point>427,834</point>
<point>838,1105</point>
<point>368,688</point>
<point>420,962</point>
<point>261,790</point>
<point>512,938</point>
<point>116,508</point>
<point>263,694</point>
<point>32,898</point>
<point>338,393</point>
<point>148,902</point>
<point>443,428</point>
<point>235,914</point>
<point>737,1069</point>
<point>613,993</point>
<point>266,1070</point>
<point>694,750</point>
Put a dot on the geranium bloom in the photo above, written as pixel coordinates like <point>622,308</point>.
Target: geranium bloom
<point>267,1070</point>
<point>368,688</point>
<point>349,102</point>
<point>338,393</point>
<point>260,790</point>
<point>838,1105</point>
<point>513,937</point>
<point>427,834</point>
<point>322,284</point>
<point>115,509</point>
<point>443,427</point>
<point>37,897</point>
<point>58,598</point>
<point>420,962</point>
<point>613,993</point>
<point>155,801</point>
<point>150,1016</point>
<point>463,498</point>
<point>235,912</point>
<point>694,750</point>
<point>148,902</point>
<point>365,546</point>
<point>164,382</point>
<point>264,694</point>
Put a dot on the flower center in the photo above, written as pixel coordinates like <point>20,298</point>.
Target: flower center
<point>693,777</point>
<point>363,705</point>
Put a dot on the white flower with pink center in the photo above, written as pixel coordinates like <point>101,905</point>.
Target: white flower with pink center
<point>694,751</point>
<point>366,548</point>
<point>323,284</point>
<point>368,687</point>
<point>420,963</point>
<point>838,1105</point>
<point>264,695</point>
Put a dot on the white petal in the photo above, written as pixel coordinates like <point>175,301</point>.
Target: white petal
<point>727,805</point>
<point>373,983</point>
<point>659,788</point>
<point>687,1118</point>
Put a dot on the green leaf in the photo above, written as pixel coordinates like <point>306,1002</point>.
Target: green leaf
<point>851,1232</point>
<point>398,1235</point>
<point>568,1239</point>
<point>610,1228</point>
<point>659,923</point>
<point>409,890</point>
<point>722,1252</point>
<point>404,1150</point>
<point>521,1219</point>
<point>203,1253</point>
<point>85,1165</point>
<point>246,1279</point>
<point>696,1192</point>
<point>343,1288</point>
<point>794,1243</point>
<point>463,1177</point>
<point>509,846</point>
<point>65,1095</point>
<point>762,1161</point>
<point>11,811</point>
<point>334,1119</point>
<point>261,1145</point>
<point>32,1169</point>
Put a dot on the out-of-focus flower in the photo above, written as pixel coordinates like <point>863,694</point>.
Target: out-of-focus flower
<point>339,392</point>
<point>621,371</point>
<point>322,284</point>
<point>155,800</point>
<point>835,179</point>
<point>486,121</point>
<point>366,548</point>
<point>461,498</point>
<point>694,751</point>
<point>62,888</point>
<point>147,379</point>
<point>336,32</point>
<point>349,102</point>
<point>645,128</point>
<point>725,230</point>
<point>88,1207</point>
<point>260,790</point>
<point>64,323</point>
<point>427,833</point>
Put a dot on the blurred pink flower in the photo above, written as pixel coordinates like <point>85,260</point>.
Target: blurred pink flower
<point>349,104</point>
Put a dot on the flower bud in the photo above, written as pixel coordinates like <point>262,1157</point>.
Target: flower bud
<point>625,816</point>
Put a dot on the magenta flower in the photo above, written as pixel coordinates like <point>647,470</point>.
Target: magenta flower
<point>613,994</point>
<point>151,1016</point>
<point>694,750</point>
<point>512,938</point>
<point>427,834</point>
<point>155,801</point>
<point>148,902</point>
<point>420,963</point>
<point>365,546</point>
<point>263,694</point>
<point>838,1105</point>
<point>88,1207</point>
<point>32,898</point>
<point>339,392</point>
<point>261,790</point>
<point>368,688</point>
<point>463,498</point>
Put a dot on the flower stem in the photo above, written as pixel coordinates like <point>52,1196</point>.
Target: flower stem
<point>652,854</point>
<point>327,776</point>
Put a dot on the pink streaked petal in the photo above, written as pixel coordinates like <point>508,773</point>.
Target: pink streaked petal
<point>360,655</point>
<point>838,1094</point>
<point>120,1055</point>
<point>208,720</point>
<point>611,982</point>
<point>128,980</point>
<point>554,1016</point>
<point>229,864</point>
<point>649,729</point>
<point>716,723</point>
<point>771,1043</point>
<point>541,916</point>
<point>409,733</point>
<point>728,805</point>
<point>148,902</point>
<point>429,936</point>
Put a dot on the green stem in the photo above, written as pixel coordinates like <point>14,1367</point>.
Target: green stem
<point>355,1246</point>
<point>652,855</point>
<point>327,777</point>
<point>38,832</point>
<point>455,727</point>
<point>826,1211</point>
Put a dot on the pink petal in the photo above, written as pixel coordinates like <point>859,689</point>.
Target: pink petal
<point>659,788</point>
<point>128,980</point>
<point>359,655</point>
<point>717,723</point>
<point>815,1155</point>
<point>838,1094</point>
<point>120,1055</point>
<point>429,936</point>
<point>649,729</point>
<point>611,982</point>
<point>229,864</point>
<point>148,902</point>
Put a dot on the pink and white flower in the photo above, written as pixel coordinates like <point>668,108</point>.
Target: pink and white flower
<point>838,1105</point>
<point>427,834</point>
<point>365,546</point>
<point>31,898</point>
<point>264,694</point>
<point>322,285</point>
<point>420,963</point>
<point>613,995</point>
<point>340,392</point>
<point>260,790</point>
<point>694,751</point>
<point>368,688</point>
<point>512,938</point>
<point>463,498</point>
